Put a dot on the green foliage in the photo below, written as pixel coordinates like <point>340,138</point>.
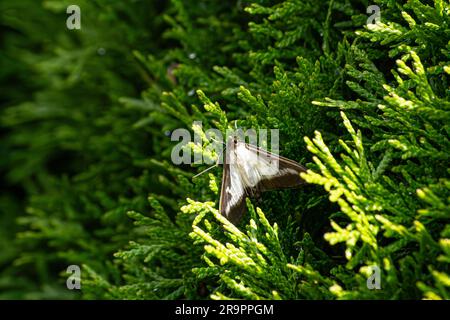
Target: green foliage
<point>253,265</point>
<point>86,123</point>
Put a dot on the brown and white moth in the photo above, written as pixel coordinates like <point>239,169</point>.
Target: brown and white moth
<point>249,170</point>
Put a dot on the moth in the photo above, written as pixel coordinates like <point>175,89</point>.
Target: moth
<point>249,170</point>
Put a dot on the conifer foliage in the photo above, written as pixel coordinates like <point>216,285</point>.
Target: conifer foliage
<point>86,121</point>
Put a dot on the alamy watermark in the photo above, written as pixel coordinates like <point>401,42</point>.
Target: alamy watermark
<point>210,146</point>
<point>374,280</point>
<point>74,280</point>
<point>376,14</point>
<point>73,22</point>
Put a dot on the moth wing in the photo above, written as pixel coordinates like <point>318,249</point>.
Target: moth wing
<point>263,173</point>
<point>232,194</point>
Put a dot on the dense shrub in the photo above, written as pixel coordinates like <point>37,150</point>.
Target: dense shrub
<point>86,120</point>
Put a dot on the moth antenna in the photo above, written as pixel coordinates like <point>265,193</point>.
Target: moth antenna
<point>206,170</point>
<point>219,141</point>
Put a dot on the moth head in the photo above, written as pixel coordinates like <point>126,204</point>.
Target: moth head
<point>231,147</point>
